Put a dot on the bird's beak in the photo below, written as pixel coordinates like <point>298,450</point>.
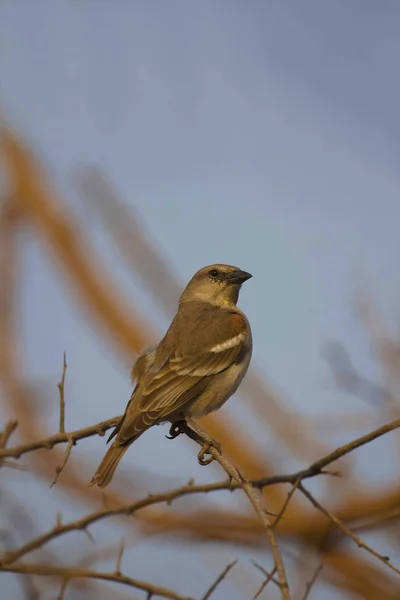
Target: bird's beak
<point>239,276</point>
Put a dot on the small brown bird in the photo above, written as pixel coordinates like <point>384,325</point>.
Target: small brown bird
<point>195,368</point>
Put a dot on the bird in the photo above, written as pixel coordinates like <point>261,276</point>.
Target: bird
<point>197,366</point>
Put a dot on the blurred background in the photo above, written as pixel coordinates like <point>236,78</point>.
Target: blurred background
<point>142,141</point>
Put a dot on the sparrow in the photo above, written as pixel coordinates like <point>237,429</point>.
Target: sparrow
<point>196,367</point>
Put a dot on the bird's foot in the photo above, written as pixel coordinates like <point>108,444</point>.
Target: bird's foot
<point>196,433</point>
<point>175,430</point>
<point>208,444</point>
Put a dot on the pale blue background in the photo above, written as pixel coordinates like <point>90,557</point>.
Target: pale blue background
<point>263,134</point>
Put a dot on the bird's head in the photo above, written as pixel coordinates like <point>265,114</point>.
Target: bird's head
<point>218,284</point>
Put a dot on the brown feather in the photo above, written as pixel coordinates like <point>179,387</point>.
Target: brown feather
<point>110,462</point>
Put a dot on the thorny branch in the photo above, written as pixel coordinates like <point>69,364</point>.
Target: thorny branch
<point>168,497</point>
<point>286,503</point>
<point>59,438</point>
<point>313,579</point>
<point>315,468</point>
<point>68,573</point>
<point>234,482</point>
<point>253,493</point>
<point>66,457</point>
<point>220,578</point>
<point>347,531</point>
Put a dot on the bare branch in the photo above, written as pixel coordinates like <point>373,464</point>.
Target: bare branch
<point>270,577</point>
<point>6,434</point>
<point>312,581</point>
<point>286,503</point>
<point>253,494</point>
<point>218,580</point>
<point>347,531</point>
<point>59,438</point>
<point>314,469</point>
<point>66,457</point>
<point>168,497</point>
<point>76,573</point>
<point>317,466</point>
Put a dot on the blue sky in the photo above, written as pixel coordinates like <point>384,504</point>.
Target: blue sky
<point>266,137</point>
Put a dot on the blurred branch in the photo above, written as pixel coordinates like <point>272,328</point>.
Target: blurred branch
<point>63,235</point>
<point>352,575</point>
<point>131,238</point>
<point>348,379</point>
<point>61,386</point>
<point>7,433</point>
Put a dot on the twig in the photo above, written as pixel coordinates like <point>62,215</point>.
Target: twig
<point>265,572</point>
<point>63,588</point>
<point>61,386</point>
<point>270,577</point>
<point>286,503</point>
<point>264,584</point>
<point>218,580</point>
<point>75,573</point>
<point>312,581</point>
<point>6,434</point>
<point>66,457</point>
<point>318,466</point>
<point>60,438</point>
<point>347,531</point>
<point>4,437</point>
<point>119,558</point>
<point>13,465</point>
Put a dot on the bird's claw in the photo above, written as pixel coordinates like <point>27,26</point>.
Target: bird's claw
<point>174,430</point>
<point>201,457</point>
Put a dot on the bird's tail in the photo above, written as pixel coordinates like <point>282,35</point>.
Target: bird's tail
<point>106,469</point>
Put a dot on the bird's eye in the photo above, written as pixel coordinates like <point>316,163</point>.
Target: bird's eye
<point>213,273</point>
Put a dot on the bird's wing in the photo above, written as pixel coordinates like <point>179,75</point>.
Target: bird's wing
<point>184,375</point>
